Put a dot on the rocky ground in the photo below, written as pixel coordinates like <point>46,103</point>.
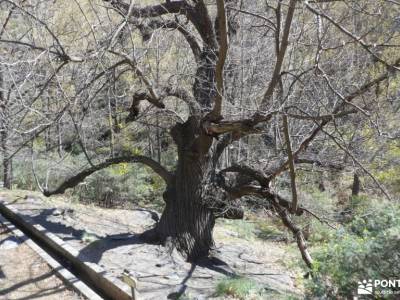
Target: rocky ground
<point>108,237</point>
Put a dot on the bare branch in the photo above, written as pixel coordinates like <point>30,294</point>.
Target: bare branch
<point>270,25</point>
<point>153,24</point>
<point>357,39</point>
<point>318,128</point>
<point>238,126</point>
<point>55,38</point>
<point>291,163</point>
<point>222,53</point>
<point>34,47</point>
<point>258,175</point>
<point>298,234</point>
<point>185,96</point>
<point>280,54</point>
<point>150,11</point>
<point>154,99</point>
<point>344,148</point>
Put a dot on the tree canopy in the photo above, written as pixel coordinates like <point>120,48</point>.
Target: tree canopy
<point>222,99</point>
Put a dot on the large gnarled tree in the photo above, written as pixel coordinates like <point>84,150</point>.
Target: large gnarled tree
<point>200,188</point>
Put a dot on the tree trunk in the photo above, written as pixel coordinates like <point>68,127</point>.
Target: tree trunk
<point>188,221</point>
<point>355,189</point>
<point>7,172</point>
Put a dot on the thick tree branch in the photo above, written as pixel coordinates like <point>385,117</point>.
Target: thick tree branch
<point>191,40</point>
<point>222,53</point>
<point>298,234</point>
<point>234,130</point>
<point>75,180</point>
<point>177,92</point>
<point>238,126</point>
<point>280,54</point>
<point>147,27</point>
<point>185,96</point>
<point>150,11</point>
<point>197,15</point>
<point>258,175</point>
<point>201,20</point>
<point>281,206</point>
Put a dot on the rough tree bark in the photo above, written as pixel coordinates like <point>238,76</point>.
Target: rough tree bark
<point>186,219</point>
<point>355,188</point>
<point>6,163</point>
<point>189,216</point>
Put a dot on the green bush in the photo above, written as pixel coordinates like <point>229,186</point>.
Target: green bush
<point>366,248</point>
<point>320,232</point>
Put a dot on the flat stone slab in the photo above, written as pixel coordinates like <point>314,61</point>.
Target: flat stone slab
<point>109,238</point>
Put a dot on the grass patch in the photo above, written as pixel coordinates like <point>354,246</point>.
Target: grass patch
<point>242,228</point>
<point>239,287</point>
<point>255,228</point>
<point>266,231</point>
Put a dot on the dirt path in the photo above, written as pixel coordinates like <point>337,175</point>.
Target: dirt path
<point>24,275</point>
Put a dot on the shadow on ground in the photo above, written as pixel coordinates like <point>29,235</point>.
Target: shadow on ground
<point>94,251</point>
<point>54,227</point>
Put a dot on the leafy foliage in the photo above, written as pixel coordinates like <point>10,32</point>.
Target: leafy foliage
<point>367,248</point>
